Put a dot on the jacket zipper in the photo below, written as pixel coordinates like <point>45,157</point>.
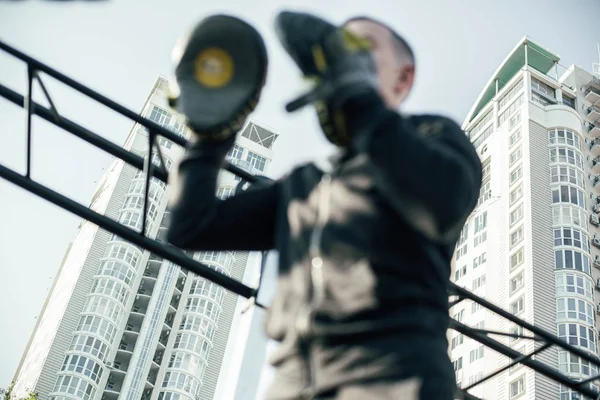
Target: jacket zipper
<point>317,280</point>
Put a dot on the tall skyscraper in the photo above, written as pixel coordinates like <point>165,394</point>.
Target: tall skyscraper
<point>532,244</point>
<point>121,323</point>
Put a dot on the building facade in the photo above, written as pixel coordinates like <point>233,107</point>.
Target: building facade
<point>532,244</point>
<point>121,323</point>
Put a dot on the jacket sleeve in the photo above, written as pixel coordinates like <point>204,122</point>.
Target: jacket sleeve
<point>201,221</point>
<point>426,168</point>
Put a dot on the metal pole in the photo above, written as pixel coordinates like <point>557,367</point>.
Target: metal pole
<point>28,110</point>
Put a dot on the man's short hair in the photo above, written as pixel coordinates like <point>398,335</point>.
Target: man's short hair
<point>403,48</point>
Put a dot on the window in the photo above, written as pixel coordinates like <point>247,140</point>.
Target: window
<point>475,378</point>
<point>517,367</point>
<point>480,125</point>
<point>97,325</point>
<point>457,364</point>
<point>457,340</point>
<point>562,136</point>
<point>578,335</point>
<point>516,194</point>
<point>116,270</point>
<point>517,387</point>
<point>568,101</point>
<point>459,315</point>
<point>571,237</point>
<point>159,116</point>
<point>124,253</point>
<point>516,237</point>
<point>566,174</point>
<point>225,192</point>
<point>485,193</point>
<point>516,174</point>
<point>571,283</point>
<point>75,386</point>
<point>258,162</point>
<point>476,354</point>
<point>479,325</point>
<point>514,107</point>
<point>510,94</point>
<point>477,261</point>
<point>516,283</point>
<point>460,272</point>
<point>166,143</point>
<point>90,345</point>
<point>518,331</point>
<point>514,137</point>
<point>514,156</point>
<point>569,215</point>
<point>480,226</point>
<point>568,194</point>
<point>517,258</point>
<point>475,307</point>
<point>82,365</point>
<point>575,309</point>
<point>486,168</point>
<point>190,363</point>
<point>571,364</point>
<point>479,282</point>
<point>571,259</point>
<point>514,120</point>
<point>111,288</point>
<point>461,252</point>
<point>541,87</point>
<point>516,307</point>
<point>562,154</point>
<point>236,152</point>
<point>516,215</point>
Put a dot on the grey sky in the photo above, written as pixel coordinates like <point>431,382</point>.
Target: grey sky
<point>118,47</point>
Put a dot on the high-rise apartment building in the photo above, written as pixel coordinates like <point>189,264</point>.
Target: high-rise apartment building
<point>532,245</point>
<point>121,323</point>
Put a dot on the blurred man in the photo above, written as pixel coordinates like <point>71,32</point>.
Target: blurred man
<point>364,243</point>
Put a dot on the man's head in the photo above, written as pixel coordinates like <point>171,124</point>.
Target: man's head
<point>393,57</point>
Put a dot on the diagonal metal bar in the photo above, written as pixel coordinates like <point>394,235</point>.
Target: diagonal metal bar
<point>48,97</point>
<point>533,364</point>
<point>456,302</point>
<point>516,361</point>
<point>536,331</point>
<point>165,251</point>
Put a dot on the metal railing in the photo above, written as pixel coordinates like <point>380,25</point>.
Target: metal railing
<point>544,338</point>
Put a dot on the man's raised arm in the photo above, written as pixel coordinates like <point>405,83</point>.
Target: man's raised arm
<point>201,221</point>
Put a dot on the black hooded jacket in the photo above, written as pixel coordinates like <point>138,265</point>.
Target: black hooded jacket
<point>365,250</point>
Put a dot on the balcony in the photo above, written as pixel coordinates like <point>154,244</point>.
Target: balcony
<point>125,348</point>
<point>146,286</point>
<point>175,302</point>
<point>593,95</point>
<point>152,378</point>
<point>595,147</point>
<point>120,365</point>
<point>180,284</point>
<point>596,183</point>
<point>596,208</point>
<point>162,341</point>
<point>596,165</point>
<point>594,220</point>
<point>243,164</point>
<point>593,114</point>
<point>169,320</point>
<point>157,359</point>
<point>596,243</point>
<point>223,259</point>
<point>598,284</point>
<point>597,262</point>
<point>113,386</point>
